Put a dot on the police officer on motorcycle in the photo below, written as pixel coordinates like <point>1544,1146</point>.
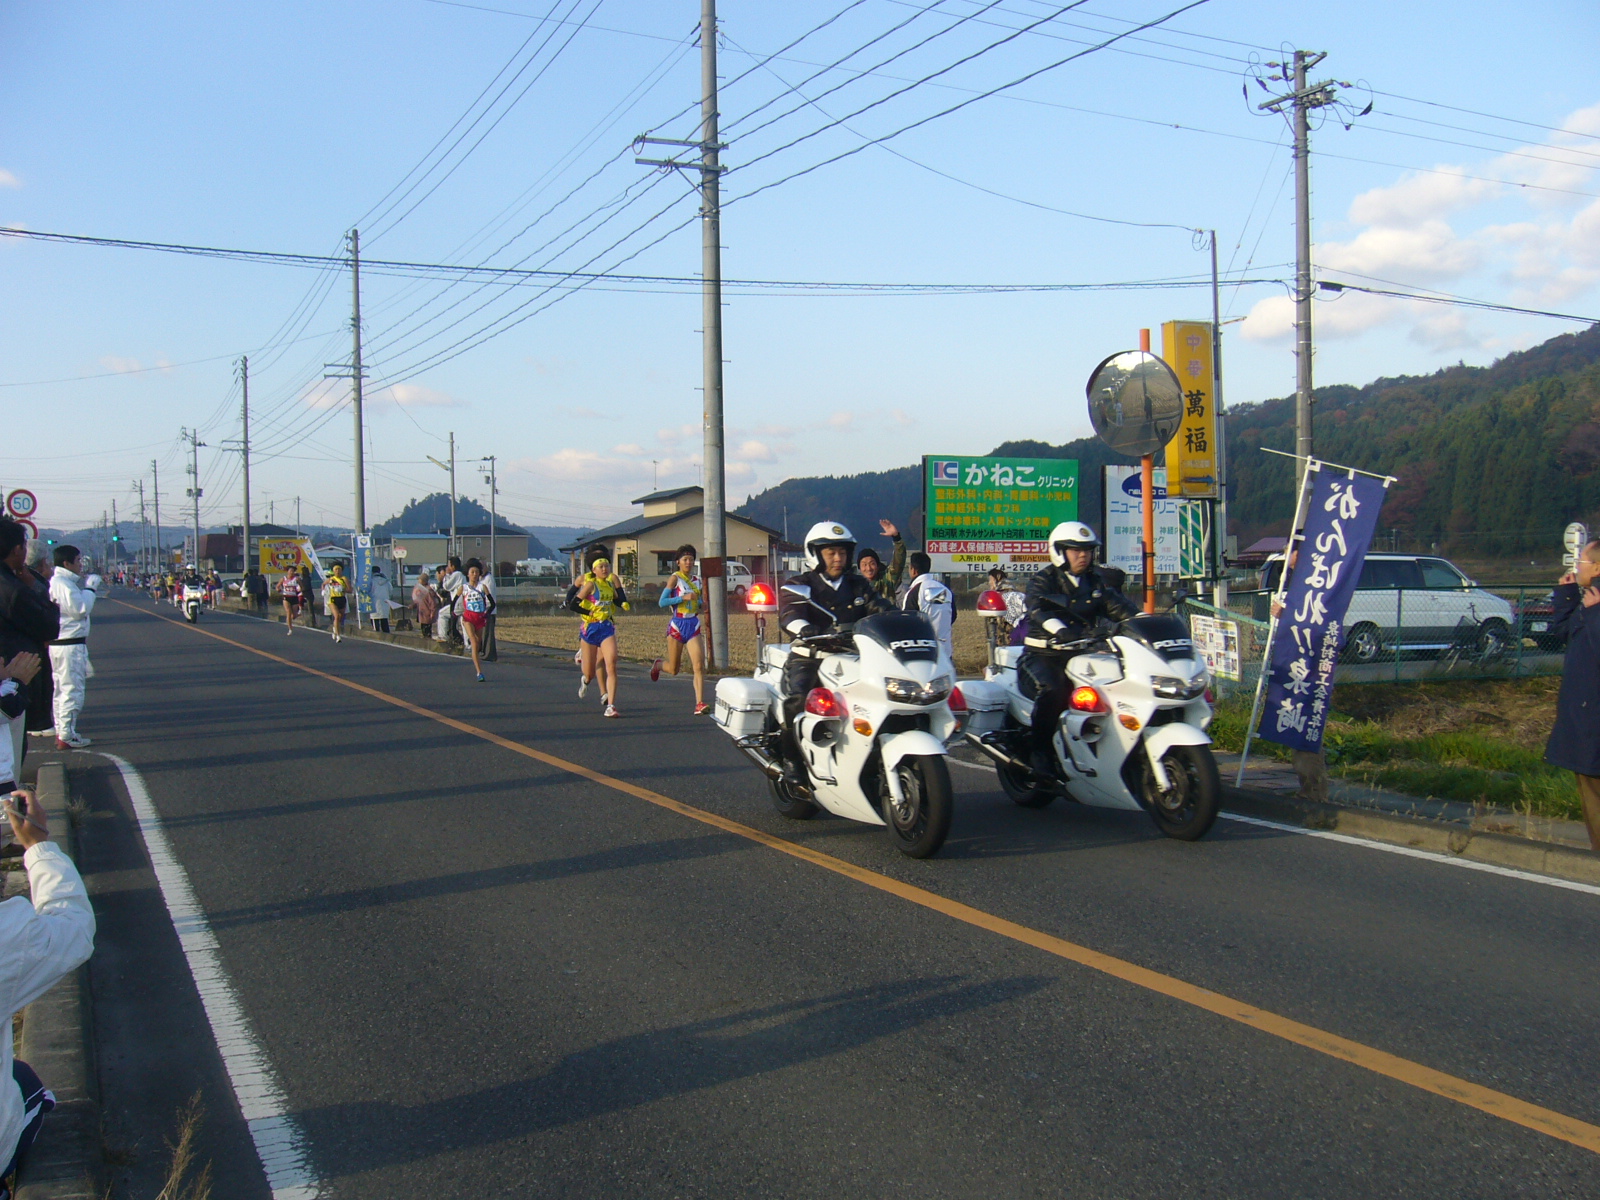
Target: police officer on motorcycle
<point>1066,603</point>
<point>830,593</point>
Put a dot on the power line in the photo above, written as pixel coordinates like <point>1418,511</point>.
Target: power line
<point>1328,285</point>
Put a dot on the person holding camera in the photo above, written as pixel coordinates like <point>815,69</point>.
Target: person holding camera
<point>41,940</point>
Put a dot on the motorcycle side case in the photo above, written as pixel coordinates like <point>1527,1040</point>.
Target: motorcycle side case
<point>986,705</point>
<point>742,705</point>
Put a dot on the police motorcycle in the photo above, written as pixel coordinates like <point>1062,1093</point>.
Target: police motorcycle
<point>192,599</point>
<point>872,733</point>
<point>1132,735</point>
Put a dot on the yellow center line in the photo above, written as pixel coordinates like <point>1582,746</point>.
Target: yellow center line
<point>1497,1104</point>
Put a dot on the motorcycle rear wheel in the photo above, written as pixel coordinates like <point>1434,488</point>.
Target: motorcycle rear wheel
<point>1188,808</point>
<point>919,825</point>
<point>1017,783</point>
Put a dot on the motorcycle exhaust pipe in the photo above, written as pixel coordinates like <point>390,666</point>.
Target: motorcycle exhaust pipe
<point>1008,760</point>
<point>770,767</point>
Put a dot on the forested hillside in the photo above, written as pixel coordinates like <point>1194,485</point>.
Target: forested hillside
<point>432,513</point>
<point>1490,460</point>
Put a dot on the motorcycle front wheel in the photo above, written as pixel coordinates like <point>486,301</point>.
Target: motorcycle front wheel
<point>1187,808</point>
<point>920,822</point>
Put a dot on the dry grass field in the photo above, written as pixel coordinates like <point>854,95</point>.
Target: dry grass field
<point>643,636</point>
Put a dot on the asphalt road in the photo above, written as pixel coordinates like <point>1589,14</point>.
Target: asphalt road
<point>477,974</point>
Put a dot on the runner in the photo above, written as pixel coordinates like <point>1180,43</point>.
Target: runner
<point>685,595</point>
<point>293,597</point>
<point>477,602</point>
<point>598,597</point>
<point>336,589</point>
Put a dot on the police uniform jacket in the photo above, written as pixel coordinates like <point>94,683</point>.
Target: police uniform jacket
<point>1076,601</point>
<point>847,598</point>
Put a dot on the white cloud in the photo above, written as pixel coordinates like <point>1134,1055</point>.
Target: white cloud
<point>1425,252</point>
<point>842,420</point>
<point>1419,199</point>
<point>410,395</point>
<point>902,418</point>
<point>8,180</point>
<point>754,451</point>
<point>672,436</point>
<point>1447,329</point>
<point>630,450</point>
<point>116,362</point>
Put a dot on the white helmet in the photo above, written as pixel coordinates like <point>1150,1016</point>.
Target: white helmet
<point>828,533</point>
<point>1071,535</point>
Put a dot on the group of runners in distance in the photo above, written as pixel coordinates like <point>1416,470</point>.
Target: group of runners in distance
<point>597,596</point>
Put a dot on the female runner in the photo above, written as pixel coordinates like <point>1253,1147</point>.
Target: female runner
<point>685,595</point>
<point>289,588</point>
<point>598,598</point>
<point>477,602</point>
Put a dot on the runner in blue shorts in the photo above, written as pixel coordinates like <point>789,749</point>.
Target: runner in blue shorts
<point>597,599</point>
<point>685,595</point>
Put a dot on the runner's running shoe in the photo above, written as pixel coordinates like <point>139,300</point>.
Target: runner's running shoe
<point>583,688</point>
<point>611,710</point>
<point>655,671</point>
<point>701,710</point>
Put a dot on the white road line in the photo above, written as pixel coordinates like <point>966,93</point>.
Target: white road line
<point>279,1140</point>
<point>1449,860</point>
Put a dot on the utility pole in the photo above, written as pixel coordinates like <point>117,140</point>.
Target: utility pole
<point>1219,595</point>
<point>144,531</point>
<point>244,418</point>
<point>1302,99</point>
<point>451,467</point>
<point>710,167</point>
<point>354,374</point>
<point>155,489</point>
<point>494,518</point>
<point>298,531</point>
<point>116,532</point>
<point>195,491</point>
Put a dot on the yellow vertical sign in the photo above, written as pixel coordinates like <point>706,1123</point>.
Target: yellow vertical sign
<point>1192,453</point>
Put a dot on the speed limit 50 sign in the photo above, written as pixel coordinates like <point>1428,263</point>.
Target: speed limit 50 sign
<point>22,504</point>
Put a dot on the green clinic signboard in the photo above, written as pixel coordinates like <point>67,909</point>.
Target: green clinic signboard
<point>995,512</point>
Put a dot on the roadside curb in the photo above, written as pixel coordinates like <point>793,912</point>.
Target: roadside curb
<point>1419,833</point>
<point>57,1043</point>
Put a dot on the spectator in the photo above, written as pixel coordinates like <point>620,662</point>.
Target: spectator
<point>380,600</point>
<point>41,692</point>
<point>74,595</point>
<point>451,581</point>
<point>426,602</point>
<point>929,596</point>
<point>1575,741</point>
<point>44,940</point>
<point>871,566</point>
<point>15,676</point>
<point>308,595</point>
<point>29,620</point>
<point>255,588</point>
<point>1016,605</point>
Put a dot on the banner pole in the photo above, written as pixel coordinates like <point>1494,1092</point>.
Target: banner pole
<point>1312,466</point>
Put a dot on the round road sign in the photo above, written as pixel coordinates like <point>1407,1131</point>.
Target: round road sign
<point>33,530</point>
<point>400,552</point>
<point>22,503</point>
<point>1135,402</point>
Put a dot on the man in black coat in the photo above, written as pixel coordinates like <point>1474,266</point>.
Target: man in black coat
<point>1575,741</point>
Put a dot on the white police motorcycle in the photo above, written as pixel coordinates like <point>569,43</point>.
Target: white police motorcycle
<point>873,732</point>
<point>1131,737</point>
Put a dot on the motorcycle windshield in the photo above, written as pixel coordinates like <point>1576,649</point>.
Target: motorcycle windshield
<point>907,636</point>
<point>1165,635</point>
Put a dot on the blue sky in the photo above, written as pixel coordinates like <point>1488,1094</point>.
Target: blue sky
<point>279,126</point>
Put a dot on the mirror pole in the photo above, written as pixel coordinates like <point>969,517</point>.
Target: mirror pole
<point>1147,481</point>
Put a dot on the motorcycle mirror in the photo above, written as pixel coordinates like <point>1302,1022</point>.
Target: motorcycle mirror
<point>803,590</point>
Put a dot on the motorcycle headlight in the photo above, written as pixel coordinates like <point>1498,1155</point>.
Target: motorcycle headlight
<point>1170,687</point>
<point>909,691</point>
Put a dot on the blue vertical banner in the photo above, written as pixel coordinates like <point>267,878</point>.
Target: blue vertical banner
<point>361,571</point>
<point>1341,515</point>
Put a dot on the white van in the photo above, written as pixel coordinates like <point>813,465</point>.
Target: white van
<point>738,577</point>
<point>1414,603</point>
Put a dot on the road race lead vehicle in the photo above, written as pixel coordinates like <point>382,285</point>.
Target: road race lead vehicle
<point>873,732</point>
<point>1132,735</point>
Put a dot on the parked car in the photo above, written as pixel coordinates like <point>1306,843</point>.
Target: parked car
<point>1536,613</point>
<point>739,579</point>
<point>1412,603</point>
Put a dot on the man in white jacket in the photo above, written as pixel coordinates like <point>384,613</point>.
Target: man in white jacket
<point>928,595</point>
<point>69,653</point>
<point>40,942</point>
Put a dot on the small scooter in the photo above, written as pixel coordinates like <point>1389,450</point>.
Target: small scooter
<point>194,598</point>
<point>1132,735</point>
<point>873,731</point>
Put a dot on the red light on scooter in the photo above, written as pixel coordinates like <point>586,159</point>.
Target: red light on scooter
<point>759,599</point>
<point>958,702</point>
<point>823,703</point>
<point>1086,699</point>
<point>992,604</point>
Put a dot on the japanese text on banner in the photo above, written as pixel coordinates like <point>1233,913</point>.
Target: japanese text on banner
<point>1341,515</point>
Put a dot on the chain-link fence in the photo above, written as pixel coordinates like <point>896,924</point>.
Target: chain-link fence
<point>1397,635</point>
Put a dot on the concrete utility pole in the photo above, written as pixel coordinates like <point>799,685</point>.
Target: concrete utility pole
<point>196,490</point>
<point>714,481</point>
<point>1220,589</point>
<point>354,374</point>
<point>244,417</point>
<point>451,467</point>
<point>1302,99</point>
<point>155,490</point>
<point>144,531</point>
<point>494,518</point>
